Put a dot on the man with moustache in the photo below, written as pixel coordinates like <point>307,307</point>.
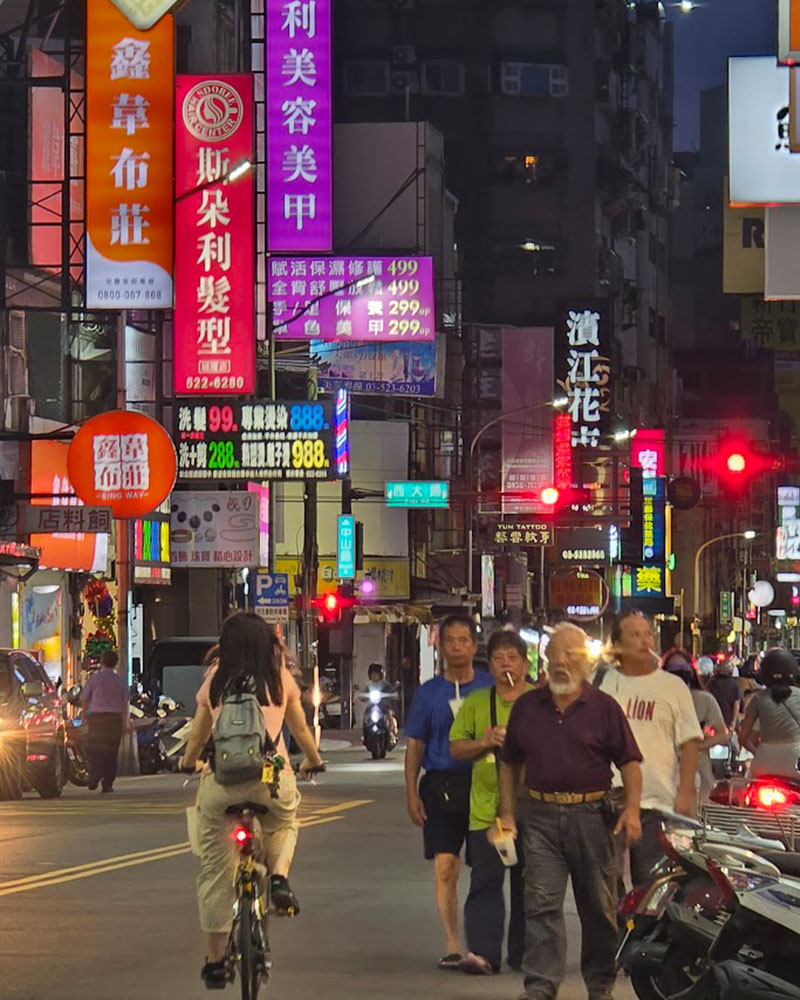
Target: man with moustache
<point>566,736</point>
<point>477,734</point>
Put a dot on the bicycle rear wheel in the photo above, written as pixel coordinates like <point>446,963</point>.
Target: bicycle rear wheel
<point>254,962</point>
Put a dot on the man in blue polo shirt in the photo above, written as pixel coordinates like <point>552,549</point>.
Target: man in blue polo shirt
<point>439,803</point>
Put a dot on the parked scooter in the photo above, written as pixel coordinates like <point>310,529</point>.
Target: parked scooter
<point>671,925</point>
<point>159,738</point>
<point>77,760</point>
<point>380,723</point>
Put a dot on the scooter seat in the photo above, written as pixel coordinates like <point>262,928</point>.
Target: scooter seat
<point>787,862</point>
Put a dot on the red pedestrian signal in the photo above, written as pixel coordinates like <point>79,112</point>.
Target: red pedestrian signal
<point>549,496</point>
<point>329,607</point>
<point>736,462</point>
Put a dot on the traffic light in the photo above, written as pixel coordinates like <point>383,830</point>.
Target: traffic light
<point>329,607</point>
<point>737,464</point>
<point>549,496</point>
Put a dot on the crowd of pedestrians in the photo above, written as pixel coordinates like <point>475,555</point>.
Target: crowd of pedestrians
<point>563,779</point>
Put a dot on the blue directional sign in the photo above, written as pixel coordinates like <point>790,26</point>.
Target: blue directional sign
<point>346,548</point>
<point>271,596</point>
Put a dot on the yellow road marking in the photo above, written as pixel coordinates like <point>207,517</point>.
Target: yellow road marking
<point>45,879</point>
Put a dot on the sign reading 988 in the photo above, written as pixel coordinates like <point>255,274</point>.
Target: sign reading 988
<point>262,439</point>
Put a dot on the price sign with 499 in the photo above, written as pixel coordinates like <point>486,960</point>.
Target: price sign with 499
<point>261,439</point>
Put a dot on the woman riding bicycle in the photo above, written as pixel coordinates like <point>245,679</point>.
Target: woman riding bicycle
<point>777,711</point>
<point>250,658</point>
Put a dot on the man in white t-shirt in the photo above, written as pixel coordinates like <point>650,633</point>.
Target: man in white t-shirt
<point>661,713</point>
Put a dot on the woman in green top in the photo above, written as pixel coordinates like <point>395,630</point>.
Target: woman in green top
<point>477,733</point>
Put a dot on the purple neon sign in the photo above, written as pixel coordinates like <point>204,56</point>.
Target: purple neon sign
<point>352,298</point>
<point>298,107</point>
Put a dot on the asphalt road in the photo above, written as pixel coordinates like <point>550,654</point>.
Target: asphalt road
<point>97,898</point>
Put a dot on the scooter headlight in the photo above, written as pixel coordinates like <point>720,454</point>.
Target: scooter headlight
<point>375,715</point>
<point>375,697</point>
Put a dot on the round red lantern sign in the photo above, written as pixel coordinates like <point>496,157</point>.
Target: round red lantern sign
<point>123,460</point>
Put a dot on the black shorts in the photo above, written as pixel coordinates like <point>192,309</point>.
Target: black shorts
<point>445,831</point>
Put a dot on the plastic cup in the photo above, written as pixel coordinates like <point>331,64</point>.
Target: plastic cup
<point>505,845</point>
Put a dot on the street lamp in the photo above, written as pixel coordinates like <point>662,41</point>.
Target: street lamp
<point>749,535</point>
<point>557,404</point>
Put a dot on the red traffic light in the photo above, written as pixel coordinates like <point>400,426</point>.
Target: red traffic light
<point>330,603</point>
<point>736,462</point>
<point>549,496</point>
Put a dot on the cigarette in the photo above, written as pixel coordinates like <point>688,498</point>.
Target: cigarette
<point>509,678</point>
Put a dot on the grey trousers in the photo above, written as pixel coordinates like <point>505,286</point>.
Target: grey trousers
<point>564,842</point>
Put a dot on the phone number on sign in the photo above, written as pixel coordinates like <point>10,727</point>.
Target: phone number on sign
<point>214,382</point>
<point>125,295</point>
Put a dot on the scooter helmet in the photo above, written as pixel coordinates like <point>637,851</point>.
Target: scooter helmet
<point>779,667</point>
<point>705,666</point>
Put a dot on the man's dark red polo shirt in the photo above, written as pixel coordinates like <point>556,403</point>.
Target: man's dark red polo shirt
<point>573,751</point>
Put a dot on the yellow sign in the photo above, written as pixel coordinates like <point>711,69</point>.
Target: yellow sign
<point>743,246</point>
<point>143,14</point>
<point>392,577</point>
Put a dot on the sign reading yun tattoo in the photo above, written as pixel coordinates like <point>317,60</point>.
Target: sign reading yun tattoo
<point>583,368</point>
<point>129,80</point>
<point>214,281</point>
<point>299,169</point>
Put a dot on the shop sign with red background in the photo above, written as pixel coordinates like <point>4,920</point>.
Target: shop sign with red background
<point>129,110</point>
<point>123,460</point>
<point>214,264</point>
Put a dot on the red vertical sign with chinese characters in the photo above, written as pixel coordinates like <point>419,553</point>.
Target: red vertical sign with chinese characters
<point>214,348</point>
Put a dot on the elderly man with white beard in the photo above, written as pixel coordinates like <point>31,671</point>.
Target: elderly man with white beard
<point>566,736</point>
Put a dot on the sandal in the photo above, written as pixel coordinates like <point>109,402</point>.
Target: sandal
<point>215,975</point>
<point>450,963</point>
<point>476,965</point>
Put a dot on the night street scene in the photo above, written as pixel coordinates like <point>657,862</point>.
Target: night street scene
<point>400,499</point>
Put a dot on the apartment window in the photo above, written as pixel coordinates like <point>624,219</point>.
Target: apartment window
<point>535,169</point>
<point>443,76</point>
<point>366,78</point>
<point>534,79</point>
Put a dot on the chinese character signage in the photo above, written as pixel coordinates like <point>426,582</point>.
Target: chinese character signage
<point>346,547</point>
<point>299,116</point>
<point>787,534</point>
<point>129,112</point>
<point>72,549</point>
<point>401,369</point>
<point>65,518</point>
<point>123,460</point>
<point>214,257</point>
<point>352,298</point>
<point>527,439</point>
<point>775,325</point>
<point>649,456</point>
<point>648,581</point>
<point>562,451</point>
<point>763,170</point>
<point>209,529</point>
<point>580,594</point>
<point>262,439</point>
<point>418,494</point>
<point>788,31</point>
<point>512,532</point>
<point>583,368</point>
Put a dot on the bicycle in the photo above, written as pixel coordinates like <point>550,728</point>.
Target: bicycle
<point>248,943</point>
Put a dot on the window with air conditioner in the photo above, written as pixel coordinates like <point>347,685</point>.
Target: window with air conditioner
<point>366,78</point>
<point>443,76</point>
<point>534,79</point>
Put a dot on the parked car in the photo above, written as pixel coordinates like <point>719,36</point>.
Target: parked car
<point>32,730</point>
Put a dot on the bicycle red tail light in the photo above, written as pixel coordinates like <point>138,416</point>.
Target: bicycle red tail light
<point>241,836</point>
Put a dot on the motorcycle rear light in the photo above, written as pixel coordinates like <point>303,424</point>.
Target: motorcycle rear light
<point>770,795</point>
<point>241,836</point>
<point>630,904</point>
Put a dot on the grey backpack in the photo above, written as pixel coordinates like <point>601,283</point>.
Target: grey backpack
<point>240,739</point>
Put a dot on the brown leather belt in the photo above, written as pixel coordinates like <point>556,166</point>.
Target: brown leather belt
<point>565,798</point>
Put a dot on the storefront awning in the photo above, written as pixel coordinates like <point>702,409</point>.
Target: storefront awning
<point>392,614</point>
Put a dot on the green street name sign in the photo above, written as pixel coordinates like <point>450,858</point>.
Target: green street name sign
<point>412,494</point>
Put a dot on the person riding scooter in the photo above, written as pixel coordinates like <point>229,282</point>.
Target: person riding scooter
<point>376,681</point>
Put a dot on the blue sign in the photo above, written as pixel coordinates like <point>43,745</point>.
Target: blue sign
<point>271,596</point>
<point>346,548</point>
<point>400,369</point>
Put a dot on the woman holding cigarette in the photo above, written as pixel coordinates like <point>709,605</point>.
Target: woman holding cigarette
<point>477,733</point>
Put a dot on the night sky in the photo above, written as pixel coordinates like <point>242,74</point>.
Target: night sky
<point>703,41</point>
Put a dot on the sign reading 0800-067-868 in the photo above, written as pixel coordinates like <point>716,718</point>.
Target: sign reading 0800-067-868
<point>261,439</point>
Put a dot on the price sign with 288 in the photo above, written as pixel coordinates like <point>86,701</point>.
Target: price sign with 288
<point>259,439</point>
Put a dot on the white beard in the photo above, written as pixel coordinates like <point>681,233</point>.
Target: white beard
<point>562,687</point>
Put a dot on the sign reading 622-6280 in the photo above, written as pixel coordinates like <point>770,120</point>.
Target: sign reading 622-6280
<point>262,439</point>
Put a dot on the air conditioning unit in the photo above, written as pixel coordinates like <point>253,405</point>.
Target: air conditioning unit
<point>404,55</point>
<point>405,81</point>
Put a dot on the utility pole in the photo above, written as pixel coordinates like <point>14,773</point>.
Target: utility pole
<point>308,660</point>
